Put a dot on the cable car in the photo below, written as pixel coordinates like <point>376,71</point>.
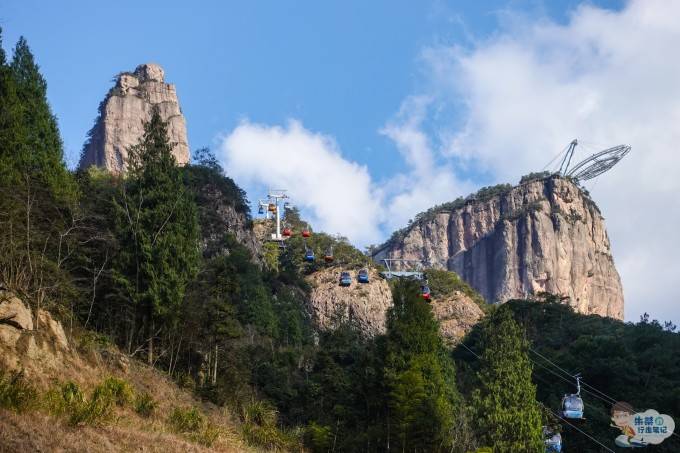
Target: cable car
<point>309,255</point>
<point>362,276</point>
<point>345,279</point>
<point>287,232</point>
<point>306,233</point>
<point>552,440</point>
<point>328,257</point>
<point>271,207</point>
<point>261,210</point>
<point>572,405</point>
<point>425,292</point>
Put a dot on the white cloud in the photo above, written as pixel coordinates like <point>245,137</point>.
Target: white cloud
<point>518,98</point>
<point>333,193</point>
<point>336,195</point>
<point>606,77</point>
<point>430,180</point>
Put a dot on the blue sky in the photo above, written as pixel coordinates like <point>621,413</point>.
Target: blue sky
<point>340,67</point>
<point>372,111</point>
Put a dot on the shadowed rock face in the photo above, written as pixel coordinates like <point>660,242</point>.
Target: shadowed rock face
<point>544,235</point>
<point>122,115</point>
<point>218,217</point>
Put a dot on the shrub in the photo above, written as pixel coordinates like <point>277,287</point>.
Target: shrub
<point>208,435</point>
<point>271,437</point>
<point>260,428</point>
<point>194,426</point>
<point>71,393</point>
<point>15,392</point>
<point>487,193</point>
<point>259,412</point>
<point>145,405</point>
<point>534,176</point>
<point>186,420</point>
<point>92,341</point>
<point>118,390</point>
<point>93,411</point>
<point>64,398</point>
<point>69,400</point>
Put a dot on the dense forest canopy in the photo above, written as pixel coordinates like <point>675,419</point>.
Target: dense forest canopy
<point>121,256</point>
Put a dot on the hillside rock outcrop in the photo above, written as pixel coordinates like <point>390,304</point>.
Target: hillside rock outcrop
<point>27,343</point>
<point>543,235</point>
<point>457,315</point>
<point>366,304</point>
<point>363,303</point>
<point>122,114</point>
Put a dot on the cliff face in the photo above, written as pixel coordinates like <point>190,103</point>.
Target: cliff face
<point>544,235</point>
<point>363,303</point>
<point>366,304</point>
<point>122,115</point>
<point>218,217</point>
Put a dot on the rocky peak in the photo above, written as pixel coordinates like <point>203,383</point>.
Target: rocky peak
<point>149,72</point>
<point>544,235</point>
<point>122,114</point>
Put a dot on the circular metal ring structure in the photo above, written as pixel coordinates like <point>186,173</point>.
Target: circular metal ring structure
<point>598,163</point>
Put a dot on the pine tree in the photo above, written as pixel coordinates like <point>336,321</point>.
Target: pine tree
<point>41,152</point>
<point>157,226</point>
<point>507,416</point>
<point>38,192</point>
<point>11,128</point>
<point>419,375</point>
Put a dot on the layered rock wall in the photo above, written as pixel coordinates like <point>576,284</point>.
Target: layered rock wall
<point>122,114</point>
<point>544,235</point>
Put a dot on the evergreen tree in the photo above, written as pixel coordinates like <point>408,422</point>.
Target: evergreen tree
<point>38,193</point>
<point>11,133</point>
<point>507,416</point>
<point>344,395</point>
<point>157,227</point>
<point>40,153</point>
<point>419,375</point>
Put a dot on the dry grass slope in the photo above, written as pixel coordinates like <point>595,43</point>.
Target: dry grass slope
<point>68,393</point>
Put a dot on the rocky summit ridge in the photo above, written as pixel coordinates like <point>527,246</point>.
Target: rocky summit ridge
<point>122,114</point>
<point>544,235</point>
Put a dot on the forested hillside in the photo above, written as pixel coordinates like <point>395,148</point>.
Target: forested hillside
<point>637,363</point>
<point>144,266</point>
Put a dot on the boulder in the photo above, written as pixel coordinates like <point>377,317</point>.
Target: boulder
<point>14,313</point>
<point>53,330</point>
<point>15,318</point>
